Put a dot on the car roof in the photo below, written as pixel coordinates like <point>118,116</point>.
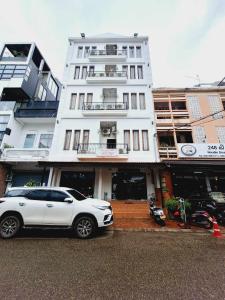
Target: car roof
<point>56,188</point>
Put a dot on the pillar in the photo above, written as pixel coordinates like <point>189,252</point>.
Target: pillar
<point>166,184</point>
<point>3,175</point>
<point>158,191</point>
<point>100,184</point>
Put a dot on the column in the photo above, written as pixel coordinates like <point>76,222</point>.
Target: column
<point>100,184</point>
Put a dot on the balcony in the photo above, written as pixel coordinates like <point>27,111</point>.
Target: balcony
<point>107,55</point>
<point>101,108</point>
<point>19,154</point>
<point>102,152</point>
<point>34,111</point>
<point>107,77</point>
<point>167,152</point>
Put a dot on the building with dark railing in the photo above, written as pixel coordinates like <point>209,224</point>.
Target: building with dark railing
<point>29,98</point>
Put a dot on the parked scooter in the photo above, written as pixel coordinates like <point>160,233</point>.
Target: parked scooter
<point>157,213</point>
<point>199,217</point>
<point>214,211</point>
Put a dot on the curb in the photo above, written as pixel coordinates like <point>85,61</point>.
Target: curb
<point>159,230</point>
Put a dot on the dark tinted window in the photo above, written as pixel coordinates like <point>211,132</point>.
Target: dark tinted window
<point>57,196</point>
<point>38,195</point>
<point>77,195</point>
<point>16,193</point>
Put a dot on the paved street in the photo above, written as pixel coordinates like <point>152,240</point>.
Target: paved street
<point>119,265</point>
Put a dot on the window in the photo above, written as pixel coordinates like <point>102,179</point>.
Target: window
<point>127,138</point>
<point>138,51</point>
<point>91,70</point>
<point>79,52</point>
<point>86,51</point>
<point>133,101</point>
<point>41,195</point>
<point>3,124</point>
<point>84,73</point>
<point>42,93</point>
<point>194,107</point>
<point>57,196</point>
<point>89,98</point>
<point>215,106</point>
<point>77,195</point>
<point>73,101</point>
<point>136,145</point>
<point>29,140</point>
<point>85,139</point>
<point>132,72</point>
<point>145,143</point>
<point>142,101</point>
<point>16,193</point>
<point>124,50</point>
<point>67,139</point>
<point>199,134</point>
<point>131,52</point>
<point>81,101</point>
<point>221,134</point>
<point>76,140</point>
<point>125,70</point>
<point>77,73</point>
<point>126,99</point>
<point>140,72</point>
<point>45,140</point>
<point>53,86</point>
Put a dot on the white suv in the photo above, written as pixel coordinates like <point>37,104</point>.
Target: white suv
<point>52,207</point>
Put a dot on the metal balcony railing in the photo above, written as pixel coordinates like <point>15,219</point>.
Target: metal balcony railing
<point>108,52</point>
<point>167,152</point>
<point>105,106</point>
<point>102,149</point>
<point>37,109</point>
<point>110,74</point>
<point>19,153</point>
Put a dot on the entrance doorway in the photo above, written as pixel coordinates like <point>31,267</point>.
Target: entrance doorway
<point>129,185</point>
<point>111,143</point>
<point>81,181</point>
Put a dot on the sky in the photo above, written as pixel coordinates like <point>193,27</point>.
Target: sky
<point>186,37</point>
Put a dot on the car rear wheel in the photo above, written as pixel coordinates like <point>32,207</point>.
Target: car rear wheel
<point>9,226</point>
<point>84,227</point>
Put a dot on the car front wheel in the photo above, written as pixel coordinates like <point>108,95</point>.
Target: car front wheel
<point>84,227</point>
<point>9,226</point>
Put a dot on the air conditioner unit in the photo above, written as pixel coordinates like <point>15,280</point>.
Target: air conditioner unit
<point>106,131</point>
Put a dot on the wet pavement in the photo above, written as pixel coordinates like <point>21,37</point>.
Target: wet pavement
<point>114,265</point>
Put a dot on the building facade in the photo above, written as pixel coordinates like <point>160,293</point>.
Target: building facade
<point>105,140</point>
<point>191,139</point>
<point>29,97</point>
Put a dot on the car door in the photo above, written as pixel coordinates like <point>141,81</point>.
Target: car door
<point>32,207</point>
<point>58,212</point>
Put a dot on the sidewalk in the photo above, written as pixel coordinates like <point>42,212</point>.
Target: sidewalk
<point>134,216</point>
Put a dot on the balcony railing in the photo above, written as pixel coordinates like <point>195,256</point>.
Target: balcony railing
<point>100,149</point>
<point>37,109</point>
<point>110,74</point>
<point>108,52</point>
<point>105,106</point>
<point>167,152</point>
<point>19,154</point>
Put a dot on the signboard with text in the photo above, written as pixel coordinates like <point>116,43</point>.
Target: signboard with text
<point>107,152</point>
<point>201,150</point>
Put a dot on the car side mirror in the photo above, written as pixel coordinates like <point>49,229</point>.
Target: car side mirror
<point>68,200</point>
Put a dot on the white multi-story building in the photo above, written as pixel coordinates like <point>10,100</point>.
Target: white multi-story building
<point>104,141</point>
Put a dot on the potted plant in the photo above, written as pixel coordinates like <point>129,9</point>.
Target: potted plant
<point>171,205</point>
<point>31,183</point>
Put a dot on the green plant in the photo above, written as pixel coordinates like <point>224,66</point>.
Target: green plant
<point>172,204</point>
<point>5,146</point>
<point>31,183</point>
<point>165,189</point>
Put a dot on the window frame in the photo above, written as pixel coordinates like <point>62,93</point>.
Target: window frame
<point>68,135</point>
<point>145,131</point>
<point>138,140</point>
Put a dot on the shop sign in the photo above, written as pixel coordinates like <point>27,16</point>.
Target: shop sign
<point>107,152</point>
<point>201,150</point>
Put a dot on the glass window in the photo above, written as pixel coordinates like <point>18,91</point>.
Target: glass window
<point>85,139</point>
<point>84,73</point>
<point>127,138</point>
<point>91,70</point>
<point>89,98</point>
<point>79,52</point>
<point>136,145</point>
<point>86,51</point>
<point>45,140</point>
<point>67,139</point>
<point>124,50</point>
<point>125,70</point>
<point>73,101</point>
<point>132,72</point>
<point>133,101</point>
<point>140,72</point>
<point>81,101</point>
<point>131,52</point>
<point>77,73</point>
<point>138,51</point>
<point>41,195</point>
<point>76,140</point>
<point>145,143</point>
<point>142,101</point>
<point>77,195</point>
<point>16,193</point>
<point>126,99</point>
<point>57,196</point>
<point>29,140</point>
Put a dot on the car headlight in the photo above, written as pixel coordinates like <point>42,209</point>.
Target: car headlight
<point>101,207</point>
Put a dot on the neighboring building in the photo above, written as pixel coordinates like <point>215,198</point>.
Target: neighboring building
<point>29,95</point>
<point>191,138</point>
<point>105,143</point>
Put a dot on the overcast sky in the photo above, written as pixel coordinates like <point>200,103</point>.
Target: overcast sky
<point>186,36</point>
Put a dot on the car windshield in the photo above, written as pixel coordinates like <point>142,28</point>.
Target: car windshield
<point>16,193</point>
<point>77,195</point>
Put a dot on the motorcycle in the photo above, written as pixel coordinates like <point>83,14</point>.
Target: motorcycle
<point>214,211</point>
<point>157,213</point>
<point>199,218</point>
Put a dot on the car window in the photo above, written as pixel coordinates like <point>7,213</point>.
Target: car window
<point>16,193</point>
<point>41,195</point>
<point>77,195</point>
<point>57,196</point>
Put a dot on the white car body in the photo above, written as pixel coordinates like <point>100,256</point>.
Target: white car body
<point>36,212</point>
